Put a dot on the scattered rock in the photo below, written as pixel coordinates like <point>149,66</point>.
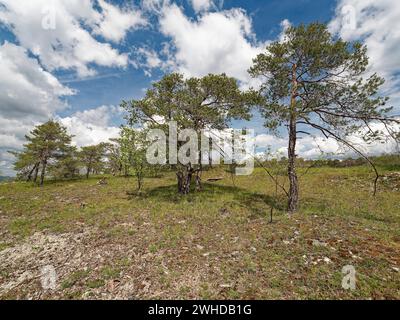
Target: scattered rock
<point>113,284</point>
<point>224,212</point>
<point>102,182</point>
<point>318,243</point>
<point>327,260</point>
<point>146,286</point>
<point>353,255</point>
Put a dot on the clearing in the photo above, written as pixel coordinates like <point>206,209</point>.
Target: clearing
<point>106,242</point>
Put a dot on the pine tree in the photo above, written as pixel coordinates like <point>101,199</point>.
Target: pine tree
<point>47,143</point>
<point>209,103</point>
<point>91,157</point>
<point>313,82</point>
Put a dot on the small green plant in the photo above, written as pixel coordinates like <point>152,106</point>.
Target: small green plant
<point>97,283</point>
<point>74,278</point>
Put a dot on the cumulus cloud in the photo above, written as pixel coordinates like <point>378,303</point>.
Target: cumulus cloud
<point>116,22</point>
<point>54,32</point>
<point>374,23</point>
<point>28,95</point>
<point>27,91</point>
<point>147,59</point>
<point>202,5</point>
<point>91,126</point>
<point>88,127</point>
<point>31,95</point>
<point>217,42</point>
<point>315,146</point>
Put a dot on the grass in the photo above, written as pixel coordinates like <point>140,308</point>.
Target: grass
<point>74,278</point>
<point>217,243</point>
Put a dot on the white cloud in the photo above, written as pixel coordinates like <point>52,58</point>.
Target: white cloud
<point>313,147</point>
<point>99,116</point>
<point>69,45</point>
<point>88,127</point>
<point>217,42</point>
<point>147,59</point>
<point>376,23</point>
<point>116,22</point>
<point>154,6</point>
<point>202,5</point>
<point>27,91</point>
<point>92,126</point>
<point>28,95</point>
<point>10,141</point>
<point>151,57</point>
<point>285,25</point>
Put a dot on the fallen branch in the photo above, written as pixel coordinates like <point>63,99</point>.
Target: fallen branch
<point>214,179</point>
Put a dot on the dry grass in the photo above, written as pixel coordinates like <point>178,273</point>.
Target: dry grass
<point>106,244</point>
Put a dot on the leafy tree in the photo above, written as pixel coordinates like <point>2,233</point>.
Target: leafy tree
<point>134,145</point>
<point>91,157</point>
<point>315,83</point>
<point>46,143</point>
<point>195,103</point>
<point>67,166</point>
<point>113,155</point>
<point>26,165</point>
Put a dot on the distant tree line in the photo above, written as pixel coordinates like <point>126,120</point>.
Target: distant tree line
<point>49,153</point>
<point>388,161</point>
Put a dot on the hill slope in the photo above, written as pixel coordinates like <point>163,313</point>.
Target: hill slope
<point>108,242</point>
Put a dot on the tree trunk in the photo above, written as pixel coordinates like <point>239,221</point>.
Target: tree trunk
<point>185,179</point>
<point>188,178</point>
<point>199,172</point>
<point>199,187</point>
<point>180,178</point>
<point>294,186</point>
<point>87,172</point>
<point>44,164</point>
<point>139,181</point>
<point>31,172</point>
<point>188,183</point>
<point>36,172</point>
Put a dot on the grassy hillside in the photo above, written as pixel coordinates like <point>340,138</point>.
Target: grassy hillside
<point>105,241</point>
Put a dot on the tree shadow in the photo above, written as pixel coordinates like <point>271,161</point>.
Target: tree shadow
<point>259,204</point>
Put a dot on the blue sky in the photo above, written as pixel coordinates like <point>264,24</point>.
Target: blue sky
<point>102,89</point>
<point>266,17</point>
<point>100,52</point>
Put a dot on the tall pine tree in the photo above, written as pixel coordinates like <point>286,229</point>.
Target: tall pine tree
<point>46,143</point>
<point>313,82</point>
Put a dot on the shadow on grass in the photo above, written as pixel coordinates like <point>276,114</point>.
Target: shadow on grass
<point>257,203</point>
